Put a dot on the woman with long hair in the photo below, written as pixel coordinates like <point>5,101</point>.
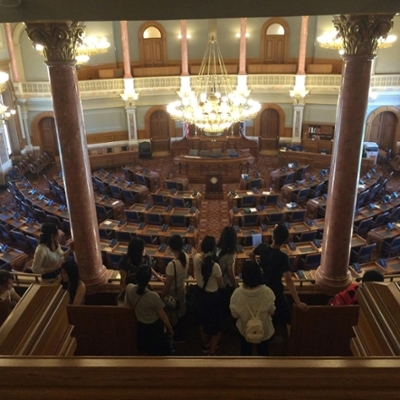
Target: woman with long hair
<point>252,299</point>
<point>208,305</point>
<point>49,256</point>
<point>135,257</point>
<point>177,271</point>
<point>149,310</point>
<point>226,254</point>
<point>7,292</point>
<point>71,282</point>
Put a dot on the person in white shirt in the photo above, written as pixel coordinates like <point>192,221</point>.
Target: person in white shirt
<point>260,299</point>
<point>208,303</point>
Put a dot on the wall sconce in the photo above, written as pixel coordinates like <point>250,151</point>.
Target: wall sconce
<point>188,36</point>
<point>247,35</point>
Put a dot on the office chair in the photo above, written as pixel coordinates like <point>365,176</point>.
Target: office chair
<point>306,236</point>
<point>310,261</point>
<point>270,199</point>
<point>391,248</point>
<point>123,236</point>
<point>231,152</point>
<point>254,183</point>
<point>301,173</point>
<point>5,233</point>
<point>362,227</point>
<point>171,185</point>
<point>216,153</point>
<point>249,220</point>
<point>247,201</point>
<point>130,197</point>
<point>40,215</point>
<point>145,150</point>
<point>193,152</point>
<point>115,259</point>
<point>178,202</point>
<point>285,180</point>
<point>116,192</point>
<point>154,219</point>
<point>297,216</point>
<point>317,191</point>
<point>20,238</point>
<point>301,196</point>
<point>363,254</point>
<point>128,175</point>
<point>380,220</point>
<point>102,213</point>
<point>179,220</point>
<point>394,216</point>
<point>102,187</point>
<point>148,239</point>
<point>33,242</point>
<point>275,218</point>
<point>361,199</point>
<point>61,195</point>
<point>105,234</point>
<point>159,200</point>
<point>133,216</point>
<point>204,153</point>
<point>141,180</point>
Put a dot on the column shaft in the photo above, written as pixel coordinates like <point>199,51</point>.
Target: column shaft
<point>303,45</point>
<point>184,48</point>
<point>125,49</point>
<point>243,42</point>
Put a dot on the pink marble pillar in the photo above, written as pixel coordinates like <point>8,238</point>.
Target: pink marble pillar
<point>11,52</point>
<point>360,33</point>
<point>303,45</point>
<point>125,49</point>
<point>184,48</point>
<point>59,41</point>
<point>242,47</point>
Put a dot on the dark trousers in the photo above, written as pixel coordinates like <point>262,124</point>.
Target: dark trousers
<point>152,340</point>
<point>246,348</point>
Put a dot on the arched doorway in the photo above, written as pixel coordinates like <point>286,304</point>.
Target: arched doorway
<point>45,134</point>
<point>274,41</point>
<point>383,128</point>
<point>159,128</point>
<point>152,44</point>
<point>270,125</point>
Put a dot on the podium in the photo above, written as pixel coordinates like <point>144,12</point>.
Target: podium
<point>214,186</point>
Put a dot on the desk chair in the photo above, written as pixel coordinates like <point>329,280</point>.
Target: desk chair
<point>301,196</point>
<point>123,236</point>
<point>380,220</point>
<point>174,185</point>
<point>130,197</point>
<point>204,153</point>
<point>33,242</point>
<point>133,216</point>
<point>373,191</point>
<point>5,233</point>
<point>61,195</point>
<point>27,209</point>
<point>306,236</point>
<point>275,218</point>
<point>391,248</point>
<point>285,180</point>
<point>269,200</point>
<point>41,215</point>
<point>361,199</point>
<point>254,183</point>
<point>102,187</point>
<point>216,153</point>
<point>105,234</point>
<point>178,202</point>
<point>154,219</point>
<point>116,192</point>
<point>394,216</point>
<point>310,261</point>
<point>317,191</point>
<point>128,174</point>
<point>301,173</point>
<point>363,254</point>
<point>145,150</point>
<point>159,200</point>
<point>102,213</point>
<point>247,201</point>
<point>179,220</point>
<point>193,152</point>
<point>20,238</point>
<point>148,239</point>
<point>231,152</point>
<point>115,259</point>
<point>249,220</point>
<point>362,227</point>
<point>297,216</point>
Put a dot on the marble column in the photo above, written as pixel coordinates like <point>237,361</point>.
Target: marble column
<point>125,49</point>
<point>184,49</point>
<point>60,41</point>
<point>11,53</point>
<point>23,113</point>
<point>303,45</point>
<point>131,116</point>
<point>242,47</point>
<point>360,34</point>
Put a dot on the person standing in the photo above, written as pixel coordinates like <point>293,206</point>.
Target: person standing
<point>250,300</point>
<point>275,265</point>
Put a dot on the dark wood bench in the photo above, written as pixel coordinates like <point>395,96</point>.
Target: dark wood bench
<point>323,331</point>
<point>103,330</point>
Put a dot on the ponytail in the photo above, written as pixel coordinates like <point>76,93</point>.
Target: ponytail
<point>182,258</point>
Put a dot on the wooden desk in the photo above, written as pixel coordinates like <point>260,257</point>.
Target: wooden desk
<point>300,227</point>
<point>186,195</point>
<point>317,161</point>
<point>245,235</point>
<point>314,207</point>
<point>16,258</point>
<point>281,173</point>
<point>234,198</point>
<point>379,235</point>
<point>245,183</point>
<point>294,188</point>
<point>117,206</point>
<point>150,178</point>
<point>178,183</point>
<point>231,168</point>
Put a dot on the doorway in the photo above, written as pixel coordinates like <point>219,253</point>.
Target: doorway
<point>48,136</point>
<point>383,131</point>
<point>160,131</point>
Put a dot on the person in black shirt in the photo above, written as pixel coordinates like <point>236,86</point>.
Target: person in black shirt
<point>275,265</point>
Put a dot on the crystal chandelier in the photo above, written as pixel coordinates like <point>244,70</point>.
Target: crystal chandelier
<point>333,41</point>
<point>90,46</point>
<point>214,105</point>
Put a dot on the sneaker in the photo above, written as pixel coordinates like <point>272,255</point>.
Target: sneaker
<point>206,349</point>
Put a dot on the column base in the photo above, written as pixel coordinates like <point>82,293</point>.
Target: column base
<point>96,283</point>
<point>331,285</point>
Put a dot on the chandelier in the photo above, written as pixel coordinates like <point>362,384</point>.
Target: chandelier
<point>214,105</point>
<point>90,46</point>
<point>333,41</point>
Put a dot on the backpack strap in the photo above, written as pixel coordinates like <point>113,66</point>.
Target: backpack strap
<point>176,279</point>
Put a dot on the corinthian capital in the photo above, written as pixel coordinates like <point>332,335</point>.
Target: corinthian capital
<point>59,39</point>
<point>360,33</point>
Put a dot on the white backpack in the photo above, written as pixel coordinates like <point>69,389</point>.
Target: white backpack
<point>254,330</point>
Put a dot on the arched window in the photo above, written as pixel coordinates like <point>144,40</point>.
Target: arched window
<point>274,41</point>
<point>152,44</point>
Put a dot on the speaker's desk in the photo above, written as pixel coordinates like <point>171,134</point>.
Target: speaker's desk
<point>231,168</point>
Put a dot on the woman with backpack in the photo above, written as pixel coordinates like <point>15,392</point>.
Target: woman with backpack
<point>208,304</point>
<point>253,305</point>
